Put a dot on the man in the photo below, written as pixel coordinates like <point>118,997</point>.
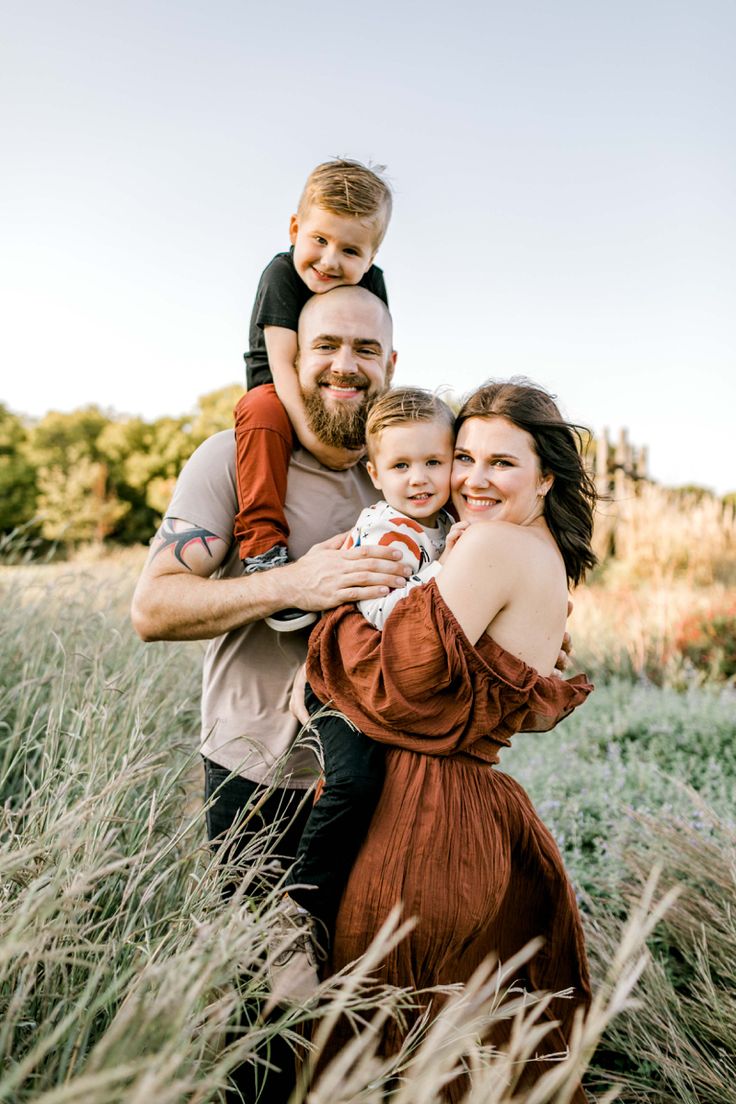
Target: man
<point>192,586</point>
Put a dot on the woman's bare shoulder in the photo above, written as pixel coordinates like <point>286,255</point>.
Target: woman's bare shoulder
<point>501,536</point>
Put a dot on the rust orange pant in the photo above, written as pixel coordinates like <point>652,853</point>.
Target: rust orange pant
<point>263,443</point>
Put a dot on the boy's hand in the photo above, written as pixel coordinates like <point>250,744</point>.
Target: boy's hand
<point>454,535</point>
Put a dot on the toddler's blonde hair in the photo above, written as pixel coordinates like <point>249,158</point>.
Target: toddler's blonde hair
<point>402,405</point>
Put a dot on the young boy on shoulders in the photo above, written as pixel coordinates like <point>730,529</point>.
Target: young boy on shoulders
<point>340,222</point>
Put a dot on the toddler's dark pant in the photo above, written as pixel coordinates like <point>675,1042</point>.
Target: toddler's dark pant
<point>286,810</point>
<point>339,820</point>
<point>263,444</point>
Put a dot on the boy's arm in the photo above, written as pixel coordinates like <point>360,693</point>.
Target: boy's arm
<point>281,347</point>
<point>176,599</point>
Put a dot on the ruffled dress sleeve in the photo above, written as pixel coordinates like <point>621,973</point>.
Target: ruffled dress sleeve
<point>422,686</point>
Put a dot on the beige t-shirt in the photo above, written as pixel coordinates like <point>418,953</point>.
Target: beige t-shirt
<point>248,673</point>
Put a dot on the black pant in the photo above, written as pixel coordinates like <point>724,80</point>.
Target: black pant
<point>339,820</point>
<point>283,815</point>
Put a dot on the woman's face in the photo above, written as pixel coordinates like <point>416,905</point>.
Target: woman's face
<point>496,474</point>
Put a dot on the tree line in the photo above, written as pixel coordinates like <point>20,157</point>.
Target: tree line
<point>91,475</point>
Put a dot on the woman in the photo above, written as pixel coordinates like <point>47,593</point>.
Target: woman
<point>461,665</point>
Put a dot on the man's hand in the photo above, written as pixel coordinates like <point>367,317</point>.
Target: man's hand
<point>175,598</point>
<point>297,704</point>
<point>329,575</point>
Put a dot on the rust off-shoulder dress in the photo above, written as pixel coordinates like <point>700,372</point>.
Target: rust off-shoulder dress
<point>458,842</point>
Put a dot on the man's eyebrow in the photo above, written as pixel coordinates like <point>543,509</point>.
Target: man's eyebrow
<point>334,339</point>
<point>368,341</point>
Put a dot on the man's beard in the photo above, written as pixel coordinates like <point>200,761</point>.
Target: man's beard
<point>341,426</point>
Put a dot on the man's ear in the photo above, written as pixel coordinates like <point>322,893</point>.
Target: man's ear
<point>370,468</point>
<point>390,366</point>
<point>293,228</point>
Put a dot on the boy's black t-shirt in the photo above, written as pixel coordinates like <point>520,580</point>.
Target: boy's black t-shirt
<point>279,300</point>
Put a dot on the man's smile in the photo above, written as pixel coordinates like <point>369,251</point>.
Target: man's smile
<point>342,387</point>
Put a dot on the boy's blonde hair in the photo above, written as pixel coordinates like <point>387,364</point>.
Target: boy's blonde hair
<point>349,188</point>
<point>402,405</point>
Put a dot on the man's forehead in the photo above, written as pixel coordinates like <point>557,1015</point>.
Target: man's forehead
<point>343,338</point>
<point>349,320</point>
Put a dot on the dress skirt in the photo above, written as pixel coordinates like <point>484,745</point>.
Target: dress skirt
<point>457,842</point>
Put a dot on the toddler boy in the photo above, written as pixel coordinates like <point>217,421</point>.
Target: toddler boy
<point>340,222</point>
<point>410,438</point>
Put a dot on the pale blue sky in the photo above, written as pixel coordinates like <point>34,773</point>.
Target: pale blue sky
<point>564,176</point>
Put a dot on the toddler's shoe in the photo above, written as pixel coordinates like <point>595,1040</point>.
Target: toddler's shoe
<point>285,620</point>
<point>293,971</point>
<point>289,620</point>
<point>275,557</point>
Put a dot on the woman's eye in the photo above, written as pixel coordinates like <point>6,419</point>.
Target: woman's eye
<point>463,458</point>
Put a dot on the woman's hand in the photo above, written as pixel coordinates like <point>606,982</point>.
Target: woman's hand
<point>296,701</point>
<point>453,536</point>
<point>563,657</point>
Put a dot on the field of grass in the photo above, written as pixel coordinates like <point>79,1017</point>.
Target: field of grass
<point>121,972</point>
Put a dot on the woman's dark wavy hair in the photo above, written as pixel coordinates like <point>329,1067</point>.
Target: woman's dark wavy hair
<point>570,501</point>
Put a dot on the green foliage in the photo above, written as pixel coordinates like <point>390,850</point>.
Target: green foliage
<point>91,476</point>
<point>18,486</point>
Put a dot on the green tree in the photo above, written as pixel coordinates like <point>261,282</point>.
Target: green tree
<point>77,501</point>
<point>214,412</point>
<point>18,486</point>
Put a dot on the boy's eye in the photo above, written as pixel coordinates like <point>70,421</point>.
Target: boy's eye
<point>401,466</point>
<point>352,252</point>
<point>320,240</point>
<point>433,463</point>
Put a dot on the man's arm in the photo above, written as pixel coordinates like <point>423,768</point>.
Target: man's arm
<point>176,599</point>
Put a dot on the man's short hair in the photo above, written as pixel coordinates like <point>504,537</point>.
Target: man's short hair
<point>402,405</point>
<point>349,188</point>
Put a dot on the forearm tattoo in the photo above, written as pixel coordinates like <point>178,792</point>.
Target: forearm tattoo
<point>180,540</point>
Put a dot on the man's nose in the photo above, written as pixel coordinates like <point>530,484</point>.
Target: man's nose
<point>343,359</point>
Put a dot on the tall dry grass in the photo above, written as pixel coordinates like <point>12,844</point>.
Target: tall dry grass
<point>661,535</point>
<point>122,974</point>
<point>679,1045</point>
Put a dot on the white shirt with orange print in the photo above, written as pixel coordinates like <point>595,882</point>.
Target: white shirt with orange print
<point>420,547</point>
